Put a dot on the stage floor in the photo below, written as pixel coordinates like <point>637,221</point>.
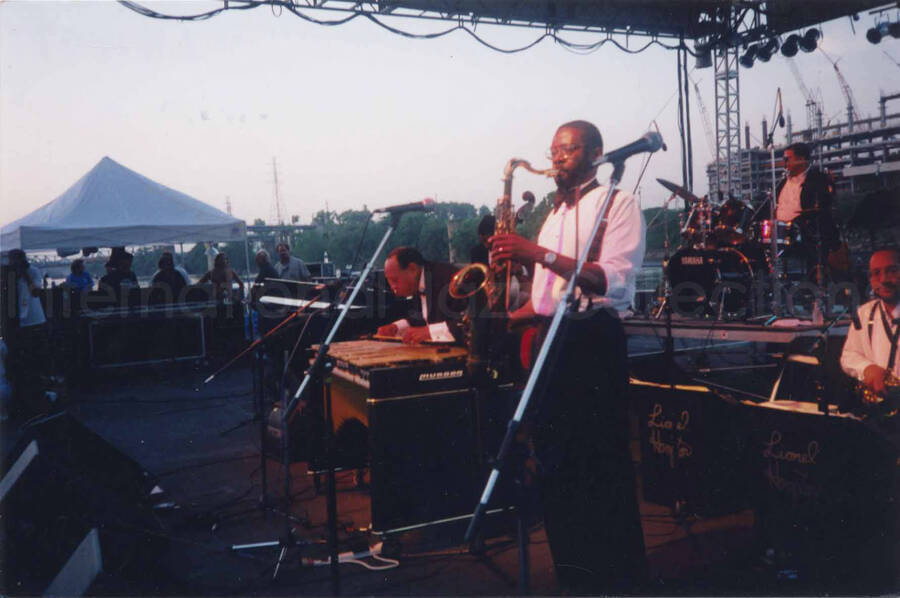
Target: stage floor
<point>204,449</point>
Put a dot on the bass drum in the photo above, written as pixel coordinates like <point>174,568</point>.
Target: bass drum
<point>714,282</point>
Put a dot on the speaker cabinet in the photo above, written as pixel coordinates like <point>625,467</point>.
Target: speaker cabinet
<point>73,507</point>
<point>429,453</point>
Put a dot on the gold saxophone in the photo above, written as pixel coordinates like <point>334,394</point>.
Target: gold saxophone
<point>495,280</point>
<point>485,317</point>
<point>888,402</point>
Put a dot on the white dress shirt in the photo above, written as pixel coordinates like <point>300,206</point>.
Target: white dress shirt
<point>789,206</point>
<point>31,312</point>
<point>439,331</point>
<point>859,352</point>
<point>621,255</point>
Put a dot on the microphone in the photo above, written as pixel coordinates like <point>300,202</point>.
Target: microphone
<point>426,205</point>
<point>525,210</point>
<point>650,142</point>
<point>780,110</point>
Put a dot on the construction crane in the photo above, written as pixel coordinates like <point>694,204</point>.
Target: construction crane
<point>852,115</point>
<point>891,58</point>
<point>707,128</point>
<point>813,105</point>
<point>277,208</point>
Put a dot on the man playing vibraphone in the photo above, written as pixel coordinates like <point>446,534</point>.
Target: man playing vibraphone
<point>431,314</point>
<point>580,426</point>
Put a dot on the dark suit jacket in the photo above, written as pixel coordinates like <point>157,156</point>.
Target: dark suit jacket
<point>440,305</point>
<point>816,191</point>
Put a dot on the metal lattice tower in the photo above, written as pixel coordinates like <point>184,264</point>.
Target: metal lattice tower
<point>277,208</point>
<point>728,121</point>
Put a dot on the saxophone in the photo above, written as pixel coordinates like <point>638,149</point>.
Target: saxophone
<point>495,280</point>
<point>887,404</point>
<point>485,317</point>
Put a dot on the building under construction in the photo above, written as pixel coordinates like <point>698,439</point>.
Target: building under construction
<point>861,154</point>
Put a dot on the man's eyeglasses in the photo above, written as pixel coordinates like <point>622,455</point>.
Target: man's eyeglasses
<point>563,151</point>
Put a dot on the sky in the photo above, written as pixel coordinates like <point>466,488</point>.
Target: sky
<point>353,115</point>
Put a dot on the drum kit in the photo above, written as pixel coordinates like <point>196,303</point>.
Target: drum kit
<point>725,265</point>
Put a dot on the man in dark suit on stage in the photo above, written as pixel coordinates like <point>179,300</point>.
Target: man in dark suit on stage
<point>429,314</point>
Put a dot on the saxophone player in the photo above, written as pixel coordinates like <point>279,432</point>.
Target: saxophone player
<point>579,426</point>
<point>870,351</point>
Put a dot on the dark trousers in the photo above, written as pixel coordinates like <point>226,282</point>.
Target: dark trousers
<point>28,365</point>
<point>581,439</point>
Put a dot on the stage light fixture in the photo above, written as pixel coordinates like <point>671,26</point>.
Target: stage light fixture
<point>810,40</point>
<point>702,57</point>
<point>790,45</point>
<point>873,35</point>
<point>876,33</point>
<point>765,51</point>
<point>747,59</point>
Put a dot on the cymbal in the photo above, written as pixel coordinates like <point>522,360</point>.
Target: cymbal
<point>679,191</point>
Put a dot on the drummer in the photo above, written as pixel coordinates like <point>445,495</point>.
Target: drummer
<point>805,197</point>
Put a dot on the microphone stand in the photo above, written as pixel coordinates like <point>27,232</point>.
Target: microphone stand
<point>288,539</point>
<point>261,340</point>
<point>776,259</point>
<point>514,423</point>
<point>320,370</point>
<point>822,341</point>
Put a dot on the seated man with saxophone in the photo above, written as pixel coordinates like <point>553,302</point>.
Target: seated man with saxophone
<point>430,314</point>
<point>870,351</point>
<point>579,424</point>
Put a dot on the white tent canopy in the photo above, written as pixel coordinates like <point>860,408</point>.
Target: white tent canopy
<point>113,206</point>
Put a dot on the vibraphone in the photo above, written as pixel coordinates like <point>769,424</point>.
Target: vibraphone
<point>391,369</point>
<point>426,442</point>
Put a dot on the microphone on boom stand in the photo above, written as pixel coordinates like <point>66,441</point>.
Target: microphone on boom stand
<point>650,142</point>
<point>426,205</point>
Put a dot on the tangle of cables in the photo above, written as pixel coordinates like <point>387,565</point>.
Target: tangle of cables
<point>461,25</point>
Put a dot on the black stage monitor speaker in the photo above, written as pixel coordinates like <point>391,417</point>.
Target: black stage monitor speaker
<point>73,506</point>
<point>428,458</point>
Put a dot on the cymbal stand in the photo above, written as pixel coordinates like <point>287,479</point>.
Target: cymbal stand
<point>667,290</point>
<point>539,365</point>
<point>666,306</point>
<point>688,220</point>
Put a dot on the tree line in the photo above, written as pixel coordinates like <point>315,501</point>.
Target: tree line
<point>350,237</point>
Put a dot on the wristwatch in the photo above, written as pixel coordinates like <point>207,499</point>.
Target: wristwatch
<point>549,258</point>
